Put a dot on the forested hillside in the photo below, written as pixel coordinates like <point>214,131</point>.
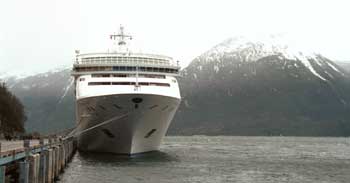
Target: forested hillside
<point>12,114</point>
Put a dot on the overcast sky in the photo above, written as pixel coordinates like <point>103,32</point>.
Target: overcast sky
<point>38,35</point>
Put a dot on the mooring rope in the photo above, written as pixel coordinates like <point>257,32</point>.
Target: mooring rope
<point>75,134</point>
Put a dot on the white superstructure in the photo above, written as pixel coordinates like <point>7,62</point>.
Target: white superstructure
<point>124,101</point>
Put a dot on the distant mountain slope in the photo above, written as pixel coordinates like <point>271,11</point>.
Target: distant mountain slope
<point>48,99</point>
<point>243,87</point>
<point>344,65</point>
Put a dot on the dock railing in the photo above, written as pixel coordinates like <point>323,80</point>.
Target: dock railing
<point>36,160</point>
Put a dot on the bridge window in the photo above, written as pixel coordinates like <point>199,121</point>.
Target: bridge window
<point>126,75</point>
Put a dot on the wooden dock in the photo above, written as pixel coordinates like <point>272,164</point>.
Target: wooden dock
<point>34,161</point>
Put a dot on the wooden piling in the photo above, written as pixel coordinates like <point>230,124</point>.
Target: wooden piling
<point>24,172</point>
<point>59,159</point>
<point>33,170</point>
<point>42,166</point>
<point>68,149</point>
<point>65,154</point>
<point>63,161</point>
<point>2,174</point>
<point>57,155</point>
<point>53,162</point>
<point>62,157</point>
<point>49,171</point>
<point>37,167</point>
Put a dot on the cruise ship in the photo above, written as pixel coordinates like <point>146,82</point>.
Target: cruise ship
<point>125,101</point>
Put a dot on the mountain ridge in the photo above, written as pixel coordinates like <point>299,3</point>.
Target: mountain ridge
<point>232,89</point>
<point>229,78</point>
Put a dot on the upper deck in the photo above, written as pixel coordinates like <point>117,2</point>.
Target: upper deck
<point>123,61</point>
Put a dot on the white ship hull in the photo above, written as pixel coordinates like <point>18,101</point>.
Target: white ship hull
<point>128,127</point>
<point>125,101</point>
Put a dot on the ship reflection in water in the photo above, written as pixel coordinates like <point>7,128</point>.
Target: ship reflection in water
<point>151,157</point>
<point>221,159</point>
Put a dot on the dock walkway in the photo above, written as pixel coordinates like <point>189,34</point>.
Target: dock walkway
<point>37,161</point>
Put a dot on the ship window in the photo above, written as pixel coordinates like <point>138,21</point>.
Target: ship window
<point>100,75</point>
<point>144,84</point>
<point>123,83</point>
<point>153,84</point>
<point>82,79</point>
<point>159,84</point>
<point>99,83</point>
<point>142,68</point>
<point>152,76</point>
<point>120,75</point>
<point>130,83</point>
<point>140,75</point>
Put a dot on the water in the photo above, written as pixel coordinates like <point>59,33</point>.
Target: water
<point>222,159</point>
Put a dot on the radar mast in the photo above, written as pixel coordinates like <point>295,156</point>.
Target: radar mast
<point>122,38</point>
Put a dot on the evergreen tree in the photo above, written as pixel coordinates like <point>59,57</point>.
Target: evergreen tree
<point>12,115</point>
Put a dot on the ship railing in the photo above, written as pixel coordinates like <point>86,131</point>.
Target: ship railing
<point>132,62</point>
<point>87,72</point>
<point>133,59</point>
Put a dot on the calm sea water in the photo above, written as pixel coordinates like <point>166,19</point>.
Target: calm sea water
<point>222,159</point>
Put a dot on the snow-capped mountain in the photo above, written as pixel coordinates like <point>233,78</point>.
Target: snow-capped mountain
<point>263,87</point>
<point>251,50</point>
